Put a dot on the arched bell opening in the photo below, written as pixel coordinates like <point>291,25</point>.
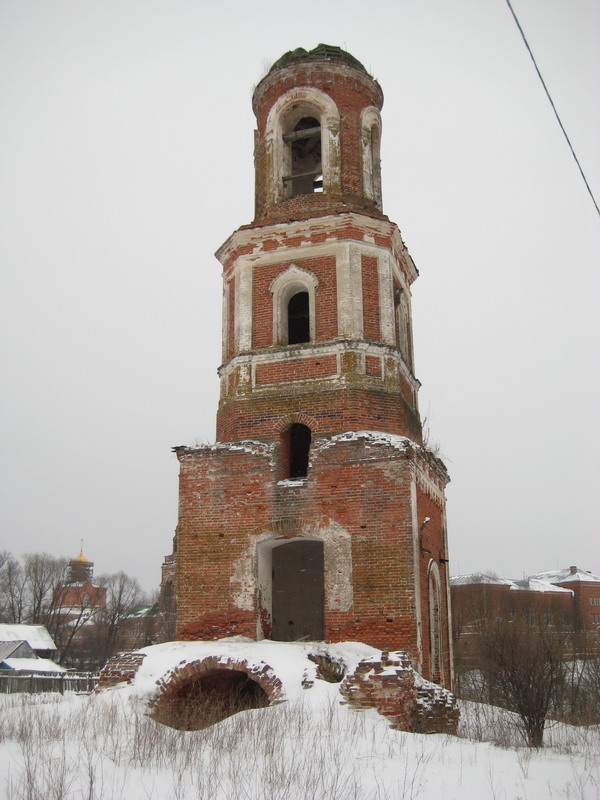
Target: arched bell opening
<point>304,158</point>
<point>207,698</point>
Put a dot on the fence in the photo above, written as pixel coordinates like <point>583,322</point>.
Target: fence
<point>78,682</point>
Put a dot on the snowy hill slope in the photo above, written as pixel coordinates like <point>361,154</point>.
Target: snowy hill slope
<point>104,747</point>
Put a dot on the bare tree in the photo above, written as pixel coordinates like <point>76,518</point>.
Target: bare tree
<point>43,574</point>
<point>524,666</point>
<point>123,594</point>
<point>12,590</point>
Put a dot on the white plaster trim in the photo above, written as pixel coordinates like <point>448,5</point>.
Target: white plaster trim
<point>335,347</point>
<point>243,307</point>
<point>288,109</point>
<point>349,291</point>
<point>416,572</point>
<point>255,236</point>
<point>386,298</point>
<point>225,321</point>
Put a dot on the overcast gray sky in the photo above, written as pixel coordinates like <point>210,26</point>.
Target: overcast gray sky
<point>126,138</point>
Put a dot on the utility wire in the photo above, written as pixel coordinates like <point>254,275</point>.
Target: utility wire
<point>562,127</point>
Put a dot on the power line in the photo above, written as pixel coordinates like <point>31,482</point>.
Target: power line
<point>562,127</point>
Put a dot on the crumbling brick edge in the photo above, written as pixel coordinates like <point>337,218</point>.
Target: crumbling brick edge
<point>385,682</point>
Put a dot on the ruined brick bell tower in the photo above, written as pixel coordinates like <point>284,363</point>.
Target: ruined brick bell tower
<point>318,514</point>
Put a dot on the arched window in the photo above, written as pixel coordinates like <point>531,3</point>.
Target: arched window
<point>294,306</point>
<point>298,315</point>
<point>304,158</point>
<point>435,623</point>
<point>371,158</point>
<point>402,315</point>
<point>295,449</point>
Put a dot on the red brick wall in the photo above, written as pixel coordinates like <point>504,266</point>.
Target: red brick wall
<point>230,498</point>
<point>370,289</point>
<point>373,366</point>
<point>325,298</point>
<point>333,408</point>
<point>586,603</point>
<point>297,369</point>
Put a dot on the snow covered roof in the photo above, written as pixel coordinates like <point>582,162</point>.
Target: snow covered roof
<point>36,636</point>
<point>478,578</point>
<point>139,611</point>
<point>567,575</point>
<point>33,665</point>
<point>534,584</point>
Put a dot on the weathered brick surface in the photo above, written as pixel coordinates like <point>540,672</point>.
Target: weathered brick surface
<point>296,370</point>
<point>230,501</point>
<point>119,669</point>
<point>334,407</point>
<point>391,686</point>
<point>370,291</point>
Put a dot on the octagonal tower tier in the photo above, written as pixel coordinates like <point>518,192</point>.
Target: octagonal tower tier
<point>317,289</point>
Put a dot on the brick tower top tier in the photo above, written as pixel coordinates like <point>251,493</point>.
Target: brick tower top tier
<point>318,137</point>
<point>317,328</point>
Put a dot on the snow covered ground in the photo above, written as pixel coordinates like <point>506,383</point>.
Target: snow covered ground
<point>101,747</point>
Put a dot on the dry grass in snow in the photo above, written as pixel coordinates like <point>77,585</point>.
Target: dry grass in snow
<point>104,747</point>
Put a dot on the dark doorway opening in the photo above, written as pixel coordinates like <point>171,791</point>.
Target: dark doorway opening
<point>299,450</point>
<point>298,319</point>
<point>298,591</point>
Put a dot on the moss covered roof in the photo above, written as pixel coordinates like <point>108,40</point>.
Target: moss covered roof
<point>322,52</point>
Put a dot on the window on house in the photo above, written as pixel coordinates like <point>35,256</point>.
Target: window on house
<point>305,157</point>
<point>298,318</point>
<point>298,438</point>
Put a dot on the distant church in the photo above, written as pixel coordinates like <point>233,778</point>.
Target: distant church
<point>79,593</point>
<point>318,514</point>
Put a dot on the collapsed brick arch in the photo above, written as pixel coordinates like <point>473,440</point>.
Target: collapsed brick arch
<point>200,694</point>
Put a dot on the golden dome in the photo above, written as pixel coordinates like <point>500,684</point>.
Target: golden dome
<point>81,558</point>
